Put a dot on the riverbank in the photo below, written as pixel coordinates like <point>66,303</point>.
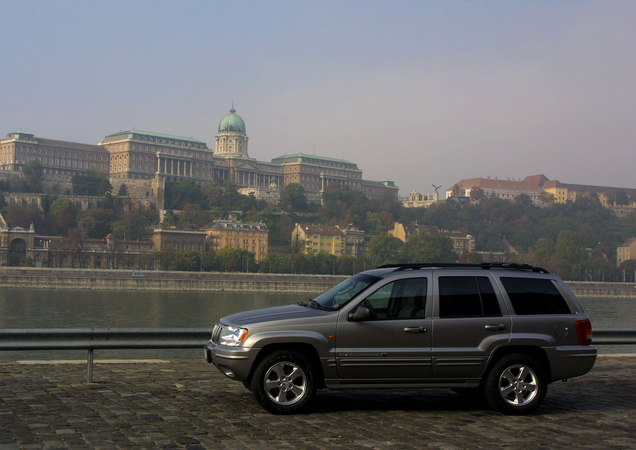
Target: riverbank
<point>110,279</point>
<point>105,279</point>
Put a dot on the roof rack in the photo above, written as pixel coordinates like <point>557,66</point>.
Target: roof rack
<point>486,266</point>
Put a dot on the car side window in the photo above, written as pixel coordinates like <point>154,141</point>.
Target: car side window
<point>400,299</point>
<point>467,297</point>
<point>534,296</point>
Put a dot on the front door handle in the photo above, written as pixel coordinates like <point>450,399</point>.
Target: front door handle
<point>498,326</point>
<point>415,329</point>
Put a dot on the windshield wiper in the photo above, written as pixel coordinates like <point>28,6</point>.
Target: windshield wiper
<point>311,303</point>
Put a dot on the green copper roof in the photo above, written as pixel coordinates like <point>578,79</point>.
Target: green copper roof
<point>321,158</point>
<point>155,135</point>
<point>232,122</point>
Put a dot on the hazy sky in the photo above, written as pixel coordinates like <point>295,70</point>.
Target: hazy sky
<point>418,92</point>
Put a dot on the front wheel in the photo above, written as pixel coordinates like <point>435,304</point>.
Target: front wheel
<point>516,385</point>
<point>284,382</point>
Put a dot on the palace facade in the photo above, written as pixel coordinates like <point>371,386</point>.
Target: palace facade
<point>142,155</point>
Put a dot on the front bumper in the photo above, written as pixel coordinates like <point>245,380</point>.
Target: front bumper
<point>235,362</point>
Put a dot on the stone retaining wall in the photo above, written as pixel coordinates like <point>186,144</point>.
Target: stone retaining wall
<point>31,277</point>
<point>28,277</point>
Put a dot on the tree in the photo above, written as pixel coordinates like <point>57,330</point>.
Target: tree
<point>275,262</point>
<point>123,191</point>
<point>622,199</point>
<point>423,247</point>
<point>192,216</point>
<point>169,219</point>
<point>61,219</point>
<point>476,193</point>
<point>570,247</point>
<point>470,258</point>
<point>458,190</point>
<point>543,252</point>
<point>214,194</point>
<point>187,261</point>
<point>33,176</point>
<point>186,191</point>
<point>232,259</point>
<point>95,223</point>
<point>292,198</point>
<point>130,227</point>
<point>547,197</point>
<point>383,249</point>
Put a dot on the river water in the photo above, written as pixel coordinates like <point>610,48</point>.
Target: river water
<point>62,308</point>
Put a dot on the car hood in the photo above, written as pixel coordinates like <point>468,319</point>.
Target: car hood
<point>271,314</point>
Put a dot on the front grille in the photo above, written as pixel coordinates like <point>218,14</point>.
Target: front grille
<point>216,333</point>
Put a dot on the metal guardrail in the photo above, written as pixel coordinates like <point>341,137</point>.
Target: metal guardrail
<point>102,338</point>
<point>91,339</point>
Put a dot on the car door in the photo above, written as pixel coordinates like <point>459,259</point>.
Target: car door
<point>392,344</point>
<point>468,325</point>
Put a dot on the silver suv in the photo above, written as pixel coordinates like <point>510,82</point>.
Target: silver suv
<point>504,331</point>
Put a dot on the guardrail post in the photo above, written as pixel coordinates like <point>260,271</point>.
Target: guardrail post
<point>89,366</point>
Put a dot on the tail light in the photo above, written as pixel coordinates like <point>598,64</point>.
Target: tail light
<point>584,330</point>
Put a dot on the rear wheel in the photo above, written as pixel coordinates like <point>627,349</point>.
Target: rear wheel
<point>284,382</point>
<point>516,384</point>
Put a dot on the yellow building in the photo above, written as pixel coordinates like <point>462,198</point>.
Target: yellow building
<point>251,237</point>
<point>626,251</point>
<point>315,239</point>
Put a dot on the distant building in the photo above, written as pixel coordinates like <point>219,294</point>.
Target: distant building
<point>626,251</point>
<point>537,187</point>
<point>506,189</point>
<point>417,200</point>
<point>179,240</point>
<point>231,233</point>
<point>314,239</point>
<point>355,240</point>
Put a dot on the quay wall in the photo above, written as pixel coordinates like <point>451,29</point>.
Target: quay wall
<point>112,279</point>
<point>109,279</point>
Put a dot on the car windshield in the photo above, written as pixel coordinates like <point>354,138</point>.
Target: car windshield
<point>339,295</point>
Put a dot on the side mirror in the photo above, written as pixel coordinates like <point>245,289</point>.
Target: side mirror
<point>362,312</point>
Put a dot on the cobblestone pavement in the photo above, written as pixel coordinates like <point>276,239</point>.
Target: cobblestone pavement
<point>190,405</point>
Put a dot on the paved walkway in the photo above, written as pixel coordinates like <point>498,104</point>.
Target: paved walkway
<point>190,405</point>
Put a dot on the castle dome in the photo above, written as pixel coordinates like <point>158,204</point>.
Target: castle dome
<point>232,122</point>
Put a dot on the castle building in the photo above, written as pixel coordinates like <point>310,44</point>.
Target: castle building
<point>143,155</point>
<point>57,157</point>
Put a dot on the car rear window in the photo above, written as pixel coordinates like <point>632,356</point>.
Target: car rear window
<point>467,297</point>
<point>534,296</point>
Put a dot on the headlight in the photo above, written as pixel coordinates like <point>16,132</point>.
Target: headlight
<point>233,336</point>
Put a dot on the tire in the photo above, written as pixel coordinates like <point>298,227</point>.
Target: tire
<point>284,382</point>
<point>516,385</point>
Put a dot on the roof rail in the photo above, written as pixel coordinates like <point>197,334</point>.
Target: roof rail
<point>486,265</point>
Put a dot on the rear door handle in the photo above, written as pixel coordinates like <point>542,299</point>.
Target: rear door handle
<point>498,326</point>
<point>415,329</point>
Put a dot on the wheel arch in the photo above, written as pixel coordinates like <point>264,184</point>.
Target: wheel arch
<point>305,349</point>
<point>534,352</point>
